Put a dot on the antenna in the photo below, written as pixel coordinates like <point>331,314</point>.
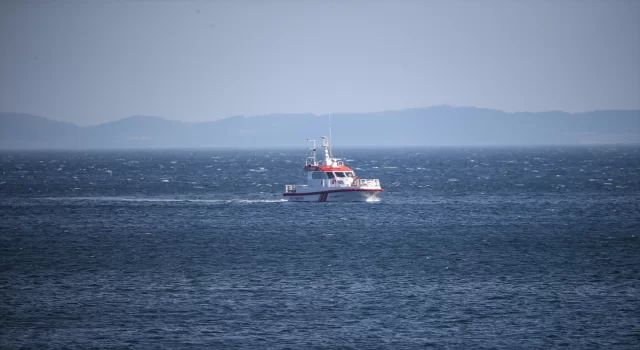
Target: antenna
<point>330,140</point>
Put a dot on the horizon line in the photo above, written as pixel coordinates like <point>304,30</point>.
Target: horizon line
<point>352,148</point>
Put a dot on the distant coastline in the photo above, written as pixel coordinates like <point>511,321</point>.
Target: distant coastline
<point>417,127</point>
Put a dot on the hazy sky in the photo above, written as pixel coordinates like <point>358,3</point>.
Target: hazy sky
<point>95,61</point>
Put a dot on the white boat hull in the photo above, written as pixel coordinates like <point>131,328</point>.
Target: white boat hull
<point>345,195</point>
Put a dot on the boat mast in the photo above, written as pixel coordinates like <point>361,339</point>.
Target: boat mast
<point>330,139</point>
<point>327,157</point>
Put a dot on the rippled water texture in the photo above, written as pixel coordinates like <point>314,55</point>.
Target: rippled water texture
<point>468,248</point>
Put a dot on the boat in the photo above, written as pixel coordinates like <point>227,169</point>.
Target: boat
<point>331,181</point>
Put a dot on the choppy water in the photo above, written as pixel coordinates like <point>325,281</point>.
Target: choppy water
<point>468,248</point>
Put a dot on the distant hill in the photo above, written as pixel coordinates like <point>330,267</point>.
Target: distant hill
<point>19,130</point>
<point>434,126</point>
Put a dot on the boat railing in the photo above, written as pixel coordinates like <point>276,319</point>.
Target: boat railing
<point>367,183</point>
<point>342,183</point>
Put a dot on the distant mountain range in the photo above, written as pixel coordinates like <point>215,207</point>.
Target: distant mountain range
<point>433,126</point>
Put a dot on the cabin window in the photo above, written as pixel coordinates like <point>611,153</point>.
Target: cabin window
<point>330,175</point>
<point>349,174</point>
<point>318,175</point>
<point>339,174</point>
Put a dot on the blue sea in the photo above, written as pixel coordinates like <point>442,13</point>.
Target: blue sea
<point>467,248</point>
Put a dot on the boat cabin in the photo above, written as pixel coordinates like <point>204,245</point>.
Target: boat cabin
<point>330,176</point>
